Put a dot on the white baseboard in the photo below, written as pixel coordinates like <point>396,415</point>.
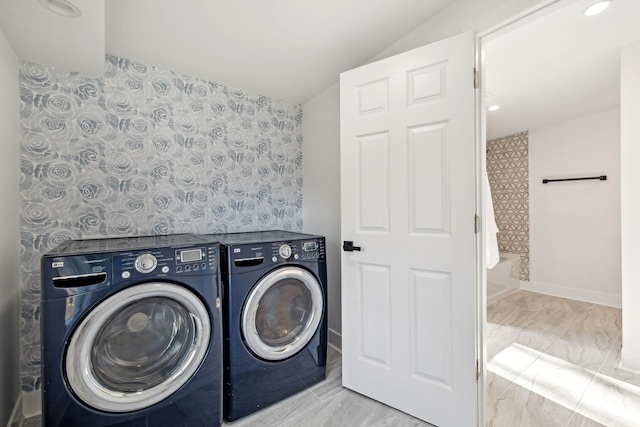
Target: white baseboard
<point>602,298</point>
<point>31,404</point>
<point>629,360</point>
<point>16,415</point>
<point>335,340</point>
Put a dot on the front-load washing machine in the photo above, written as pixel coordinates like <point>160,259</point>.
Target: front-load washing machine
<point>132,332</point>
<point>275,313</point>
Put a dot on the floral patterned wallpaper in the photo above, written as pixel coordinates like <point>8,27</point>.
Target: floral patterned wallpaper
<point>508,170</point>
<point>145,151</point>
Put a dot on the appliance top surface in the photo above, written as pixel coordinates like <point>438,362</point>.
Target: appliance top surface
<point>261,237</point>
<point>79,247</point>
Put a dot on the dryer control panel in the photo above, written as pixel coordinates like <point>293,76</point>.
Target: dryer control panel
<point>192,260</point>
<point>306,250</point>
<point>258,254</point>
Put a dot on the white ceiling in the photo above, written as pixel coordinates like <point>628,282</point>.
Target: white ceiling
<point>287,49</point>
<point>558,67</point>
<point>552,69</point>
<point>41,36</point>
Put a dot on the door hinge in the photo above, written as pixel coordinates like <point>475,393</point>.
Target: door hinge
<point>476,78</point>
<point>476,223</point>
<point>478,372</point>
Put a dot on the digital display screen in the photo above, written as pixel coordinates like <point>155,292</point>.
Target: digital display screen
<point>309,246</point>
<point>190,255</point>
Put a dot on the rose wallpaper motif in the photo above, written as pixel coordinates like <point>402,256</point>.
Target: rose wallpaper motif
<point>145,151</point>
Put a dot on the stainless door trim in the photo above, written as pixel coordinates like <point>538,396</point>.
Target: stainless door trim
<point>248,317</point>
<point>78,366</point>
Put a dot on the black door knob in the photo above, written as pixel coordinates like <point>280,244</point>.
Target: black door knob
<point>347,246</point>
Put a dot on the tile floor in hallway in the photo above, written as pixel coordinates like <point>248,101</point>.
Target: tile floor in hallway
<point>550,362</point>
<point>554,362</point>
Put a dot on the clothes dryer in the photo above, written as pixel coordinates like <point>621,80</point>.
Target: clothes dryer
<point>275,312</point>
<point>132,333</point>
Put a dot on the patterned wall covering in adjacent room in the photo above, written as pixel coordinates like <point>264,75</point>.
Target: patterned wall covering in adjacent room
<point>508,170</point>
<point>146,151</point>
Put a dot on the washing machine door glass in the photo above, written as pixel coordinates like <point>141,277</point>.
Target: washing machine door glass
<point>282,313</point>
<point>138,347</point>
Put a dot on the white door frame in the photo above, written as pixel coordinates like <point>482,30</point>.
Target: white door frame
<point>499,23</point>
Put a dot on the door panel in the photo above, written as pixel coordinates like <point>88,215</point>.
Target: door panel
<point>428,166</point>
<point>373,97</point>
<point>408,170</point>
<point>373,152</point>
<point>427,84</point>
<point>431,327</point>
<point>376,335</point>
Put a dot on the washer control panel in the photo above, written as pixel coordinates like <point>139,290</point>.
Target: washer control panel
<point>162,261</point>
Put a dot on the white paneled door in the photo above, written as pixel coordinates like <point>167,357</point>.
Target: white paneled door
<point>408,165</point>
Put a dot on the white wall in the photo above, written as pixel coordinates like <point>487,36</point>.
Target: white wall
<point>9,229</point>
<point>574,247</point>
<point>462,16</point>
<point>322,127</point>
<point>321,208</point>
<point>630,179</point>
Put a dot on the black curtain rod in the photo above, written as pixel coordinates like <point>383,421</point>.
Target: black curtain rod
<point>601,178</point>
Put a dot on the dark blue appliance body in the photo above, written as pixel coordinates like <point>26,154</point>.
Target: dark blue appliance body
<point>275,311</point>
<point>131,332</point>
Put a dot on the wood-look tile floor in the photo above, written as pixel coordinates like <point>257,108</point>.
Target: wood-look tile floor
<point>325,404</point>
<point>550,362</point>
<point>328,404</point>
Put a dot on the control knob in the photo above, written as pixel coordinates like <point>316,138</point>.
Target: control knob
<point>285,251</point>
<point>146,263</point>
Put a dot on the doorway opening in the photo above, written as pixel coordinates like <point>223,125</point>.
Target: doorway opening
<point>556,79</point>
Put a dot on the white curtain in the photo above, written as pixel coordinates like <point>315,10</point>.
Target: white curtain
<point>491,240</point>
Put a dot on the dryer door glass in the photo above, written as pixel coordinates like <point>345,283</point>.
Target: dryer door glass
<point>138,347</point>
<point>282,313</point>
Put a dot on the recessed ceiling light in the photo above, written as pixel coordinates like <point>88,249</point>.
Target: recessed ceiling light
<point>597,8</point>
<point>493,108</point>
<point>61,7</point>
